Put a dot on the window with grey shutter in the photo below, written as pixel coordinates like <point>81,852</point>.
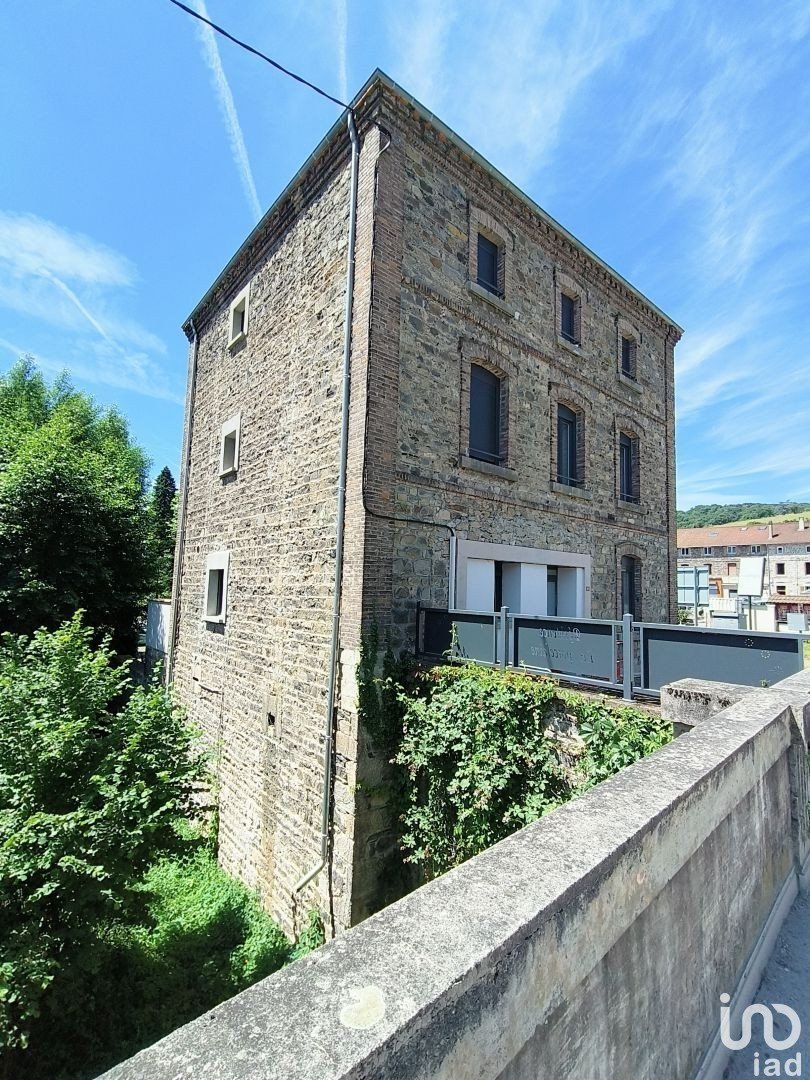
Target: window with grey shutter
<point>485,415</point>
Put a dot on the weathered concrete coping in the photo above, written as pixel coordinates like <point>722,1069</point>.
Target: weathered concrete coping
<point>457,978</point>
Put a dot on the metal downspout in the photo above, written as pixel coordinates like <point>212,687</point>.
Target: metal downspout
<point>181,510</point>
<point>329,720</point>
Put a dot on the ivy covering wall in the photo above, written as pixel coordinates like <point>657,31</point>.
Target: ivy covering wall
<point>481,752</point>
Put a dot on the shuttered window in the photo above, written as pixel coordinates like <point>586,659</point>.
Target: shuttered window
<point>485,415</point>
<point>567,465</point>
<point>488,258</point>
<point>628,468</point>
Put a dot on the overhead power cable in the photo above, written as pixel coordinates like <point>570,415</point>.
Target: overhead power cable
<point>261,55</point>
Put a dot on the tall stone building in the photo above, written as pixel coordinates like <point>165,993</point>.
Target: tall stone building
<point>509,439</point>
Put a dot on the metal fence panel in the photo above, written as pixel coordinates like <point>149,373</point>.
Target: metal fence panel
<point>633,657</point>
<point>475,634</point>
<point>750,659</point>
<point>566,647</point>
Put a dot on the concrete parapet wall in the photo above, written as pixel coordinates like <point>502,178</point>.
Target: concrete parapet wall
<point>593,943</point>
<point>688,701</point>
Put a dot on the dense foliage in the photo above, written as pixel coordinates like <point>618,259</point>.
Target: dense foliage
<point>74,525</point>
<point>93,777</point>
<point>199,938</point>
<point>116,924</point>
<point>487,751</point>
<point>163,527</point>
<point>715,514</point>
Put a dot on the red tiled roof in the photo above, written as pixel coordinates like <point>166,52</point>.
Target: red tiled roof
<point>784,532</point>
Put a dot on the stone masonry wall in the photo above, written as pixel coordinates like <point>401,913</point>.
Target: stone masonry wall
<point>426,324</point>
<point>443,323</point>
<point>257,685</point>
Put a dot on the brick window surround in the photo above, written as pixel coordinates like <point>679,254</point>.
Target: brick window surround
<point>472,353</point>
<point>576,303</point>
<point>482,223</point>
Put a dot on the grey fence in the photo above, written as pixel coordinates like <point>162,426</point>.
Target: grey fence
<point>622,655</point>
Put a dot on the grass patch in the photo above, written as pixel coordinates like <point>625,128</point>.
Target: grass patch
<point>201,938</point>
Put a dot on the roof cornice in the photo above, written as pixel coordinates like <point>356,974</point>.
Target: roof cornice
<point>364,105</point>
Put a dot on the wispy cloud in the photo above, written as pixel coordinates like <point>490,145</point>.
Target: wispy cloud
<point>227,107</point>
<point>517,70</point>
<point>422,32</point>
<point>32,245</point>
<point>135,372</point>
<point>37,260</point>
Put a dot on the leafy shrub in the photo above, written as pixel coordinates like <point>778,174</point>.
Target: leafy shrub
<point>202,938</point>
<point>93,776</point>
<point>311,937</point>
<point>488,751</point>
<point>116,924</point>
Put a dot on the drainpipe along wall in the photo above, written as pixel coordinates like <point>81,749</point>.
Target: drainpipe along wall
<point>329,719</point>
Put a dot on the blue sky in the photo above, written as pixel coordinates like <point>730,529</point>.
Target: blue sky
<point>671,138</point>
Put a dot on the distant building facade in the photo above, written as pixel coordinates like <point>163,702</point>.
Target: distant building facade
<point>785,547</point>
<point>511,441</point>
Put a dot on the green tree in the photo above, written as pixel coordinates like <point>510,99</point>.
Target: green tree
<point>74,526</point>
<point>708,514</point>
<point>162,513</point>
<point>94,776</point>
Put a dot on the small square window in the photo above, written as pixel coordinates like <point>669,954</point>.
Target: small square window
<point>756,549</point>
<point>780,569</point>
<point>781,590</point>
<point>238,318</point>
<point>780,550</point>
<point>708,551</point>
<point>569,318</point>
<point>488,264</point>
<point>684,551</point>
<point>229,446</point>
<point>215,590</point>
<point>731,550</point>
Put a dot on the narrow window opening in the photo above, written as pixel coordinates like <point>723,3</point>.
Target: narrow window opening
<point>628,468</point>
<point>568,318</point>
<point>631,586</point>
<point>485,415</point>
<point>488,264</point>
<point>628,357</point>
<point>229,452</point>
<point>215,594</point>
<point>567,456</point>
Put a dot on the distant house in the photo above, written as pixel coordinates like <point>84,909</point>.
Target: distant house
<point>785,547</point>
<point>510,441</point>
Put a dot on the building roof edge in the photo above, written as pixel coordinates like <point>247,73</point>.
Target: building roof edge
<point>380,78</point>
